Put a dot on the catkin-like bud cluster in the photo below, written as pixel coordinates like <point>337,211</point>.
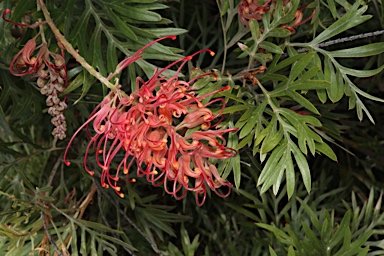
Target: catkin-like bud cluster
<point>52,77</point>
<point>51,85</point>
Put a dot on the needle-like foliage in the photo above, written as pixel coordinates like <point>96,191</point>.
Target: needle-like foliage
<point>256,130</point>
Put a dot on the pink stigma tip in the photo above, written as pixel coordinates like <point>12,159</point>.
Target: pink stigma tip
<point>6,11</point>
<point>67,163</point>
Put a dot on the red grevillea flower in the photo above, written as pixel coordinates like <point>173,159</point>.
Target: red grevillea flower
<point>252,10</point>
<point>299,19</point>
<point>165,129</point>
<point>26,62</point>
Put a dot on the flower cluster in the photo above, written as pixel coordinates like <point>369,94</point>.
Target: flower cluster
<point>299,19</point>
<point>52,78</point>
<point>51,71</point>
<point>165,129</point>
<point>252,10</point>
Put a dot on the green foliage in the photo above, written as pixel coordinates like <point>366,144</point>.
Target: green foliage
<point>308,173</point>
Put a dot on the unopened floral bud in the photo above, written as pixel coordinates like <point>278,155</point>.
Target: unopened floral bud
<point>195,118</point>
<point>53,76</point>
<point>61,117</point>
<point>60,88</point>
<point>49,101</point>
<point>41,82</point>
<point>51,89</point>
<point>60,80</point>
<point>45,89</point>
<point>56,99</point>
<point>24,63</point>
<point>59,61</point>
<point>20,63</point>
<point>55,121</point>
<point>59,132</point>
<point>53,111</point>
<point>243,47</point>
<point>252,10</point>
<point>52,100</point>
<point>43,73</point>
<point>62,73</point>
<point>58,119</point>
<point>57,86</point>
<point>62,105</point>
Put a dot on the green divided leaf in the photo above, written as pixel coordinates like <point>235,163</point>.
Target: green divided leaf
<point>361,73</point>
<point>285,63</point>
<point>290,177</point>
<point>123,27</point>
<point>302,101</point>
<point>306,136</point>
<point>234,162</point>
<point>278,32</point>
<point>280,235</point>
<point>336,89</point>
<point>299,66</point>
<point>3,122</point>
<point>272,252</point>
<point>332,8</point>
<point>361,51</point>
<point>303,166</point>
<point>323,147</point>
<point>278,142</point>
<point>260,137</point>
<point>106,46</point>
<point>271,140</point>
<point>241,210</point>
<point>271,47</point>
<point>349,20</point>
<point>255,117</point>
<point>270,173</point>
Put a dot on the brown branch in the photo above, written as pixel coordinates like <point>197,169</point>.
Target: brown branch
<point>87,201</point>
<point>49,234</point>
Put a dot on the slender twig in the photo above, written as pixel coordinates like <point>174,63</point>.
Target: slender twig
<point>99,192</point>
<point>41,30</point>
<point>59,252</point>
<point>224,37</point>
<point>54,170</point>
<point>351,38</point>
<point>71,50</point>
<point>321,45</point>
<point>87,201</point>
<point>341,40</point>
<point>110,199</point>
